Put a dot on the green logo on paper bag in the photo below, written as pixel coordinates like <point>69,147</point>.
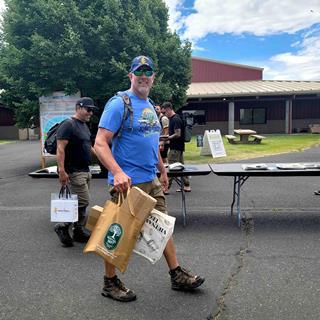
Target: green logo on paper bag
<point>113,236</point>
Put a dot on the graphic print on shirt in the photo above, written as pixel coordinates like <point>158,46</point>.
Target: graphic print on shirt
<point>148,122</point>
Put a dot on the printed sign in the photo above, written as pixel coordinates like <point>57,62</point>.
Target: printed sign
<point>213,144</point>
<point>54,109</point>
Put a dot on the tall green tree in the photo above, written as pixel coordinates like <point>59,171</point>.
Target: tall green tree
<point>86,45</point>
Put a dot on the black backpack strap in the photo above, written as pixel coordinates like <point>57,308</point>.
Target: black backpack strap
<point>160,120</point>
<point>151,101</point>
<point>128,111</point>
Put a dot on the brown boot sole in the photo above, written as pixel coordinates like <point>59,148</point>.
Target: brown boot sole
<point>121,299</point>
<point>186,287</point>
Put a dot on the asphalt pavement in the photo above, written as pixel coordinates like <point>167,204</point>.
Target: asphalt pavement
<point>269,270</point>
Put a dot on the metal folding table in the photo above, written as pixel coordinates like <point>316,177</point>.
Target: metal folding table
<point>241,175</point>
<point>189,170</point>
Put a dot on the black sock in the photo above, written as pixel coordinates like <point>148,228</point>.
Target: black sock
<point>173,271</point>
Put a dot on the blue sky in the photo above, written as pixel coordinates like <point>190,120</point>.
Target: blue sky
<point>283,37</point>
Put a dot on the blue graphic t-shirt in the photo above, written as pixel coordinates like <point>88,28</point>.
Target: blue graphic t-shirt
<point>136,151</point>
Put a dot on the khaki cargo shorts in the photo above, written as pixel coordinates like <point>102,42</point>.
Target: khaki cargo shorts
<point>152,188</point>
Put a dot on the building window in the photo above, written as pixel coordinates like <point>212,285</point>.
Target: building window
<point>199,116</point>
<point>253,116</point>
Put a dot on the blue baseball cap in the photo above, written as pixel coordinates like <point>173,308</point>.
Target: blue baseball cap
<point>140,61</point>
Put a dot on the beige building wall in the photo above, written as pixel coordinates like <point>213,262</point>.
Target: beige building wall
<point>13,133</point>
<point>9,132</point>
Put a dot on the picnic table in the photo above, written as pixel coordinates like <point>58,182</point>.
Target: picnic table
<point>245,136</point>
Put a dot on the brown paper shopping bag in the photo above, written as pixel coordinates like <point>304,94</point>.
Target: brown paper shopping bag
<point>93,217</point>
<point>118,228</point>
<point>153,236</point>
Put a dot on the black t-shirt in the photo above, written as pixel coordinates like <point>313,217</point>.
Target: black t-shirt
<point>78,149</point>
<point>175,122</point>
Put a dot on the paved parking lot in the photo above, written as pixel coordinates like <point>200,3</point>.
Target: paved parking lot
<point>269,271</point>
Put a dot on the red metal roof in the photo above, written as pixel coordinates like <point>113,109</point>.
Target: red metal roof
<point>206,70</point>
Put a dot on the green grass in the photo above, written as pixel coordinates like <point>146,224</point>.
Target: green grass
<point>6,141</point>
<point>273,144</point>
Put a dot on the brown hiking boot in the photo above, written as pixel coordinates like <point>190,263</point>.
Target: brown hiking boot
<point>115,289</point>
<point>183,280</point>
<point>79,235</point>
<point>63,233</point>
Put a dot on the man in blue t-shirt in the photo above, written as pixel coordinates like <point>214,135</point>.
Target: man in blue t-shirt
<point>134,160</point>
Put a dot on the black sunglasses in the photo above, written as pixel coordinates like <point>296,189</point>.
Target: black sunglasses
<point>139,73</point>
<point>89,109</point>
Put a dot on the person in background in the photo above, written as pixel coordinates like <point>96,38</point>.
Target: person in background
<point>74,149</point>
<point>161,147</point>
<point>164,122</point>
<point>134,161</point>
<point>176,139</point>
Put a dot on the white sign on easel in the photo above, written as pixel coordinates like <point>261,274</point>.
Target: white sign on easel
<point>213,144</point>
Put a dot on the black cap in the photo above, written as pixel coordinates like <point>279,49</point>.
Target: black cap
<point>86,102</point>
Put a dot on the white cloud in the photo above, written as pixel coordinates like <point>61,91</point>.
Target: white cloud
<point>303,65</point>
<point>262,19</point>
<point>176,20</point>
<point>1,5</point>
<point>257,17</point>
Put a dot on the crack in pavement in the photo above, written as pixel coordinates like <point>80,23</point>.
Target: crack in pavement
<point>247,228</point>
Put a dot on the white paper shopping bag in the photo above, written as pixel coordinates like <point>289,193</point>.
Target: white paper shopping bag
<point>154,235</point>
<point>64,206</point>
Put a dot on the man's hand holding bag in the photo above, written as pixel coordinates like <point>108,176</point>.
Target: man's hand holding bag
<point>118,227</point>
